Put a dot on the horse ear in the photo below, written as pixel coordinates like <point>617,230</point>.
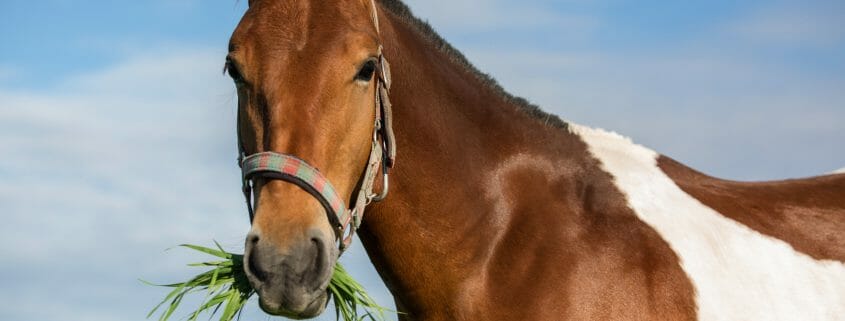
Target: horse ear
<point>249,3</point>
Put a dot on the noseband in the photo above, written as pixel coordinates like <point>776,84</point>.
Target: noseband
<point>289,168</point>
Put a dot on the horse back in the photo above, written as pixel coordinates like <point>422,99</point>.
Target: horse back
<point>808,213</point>
<point>752,251</point>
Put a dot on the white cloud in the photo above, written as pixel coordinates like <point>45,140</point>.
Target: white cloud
<point>106,170</point>
<point>96,174</point>
<point>839,171</point>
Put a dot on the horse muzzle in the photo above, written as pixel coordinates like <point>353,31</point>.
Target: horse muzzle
<point>291,283</point>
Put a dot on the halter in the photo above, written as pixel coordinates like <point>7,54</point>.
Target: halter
<point>294,170</point>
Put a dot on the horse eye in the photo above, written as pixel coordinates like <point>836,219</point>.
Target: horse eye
<point>234,72</point>
<point>367,71</point>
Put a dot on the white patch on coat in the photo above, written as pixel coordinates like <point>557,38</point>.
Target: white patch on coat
<point>839,171</point>
<point>738,273</point>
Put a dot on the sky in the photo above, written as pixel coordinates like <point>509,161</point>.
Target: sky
<point>117,124</point>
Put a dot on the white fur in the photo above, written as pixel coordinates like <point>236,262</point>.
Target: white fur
<point>738,273</point>
<point>839,171</point>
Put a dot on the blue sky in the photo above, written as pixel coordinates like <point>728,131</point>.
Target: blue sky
<point>116,123</point>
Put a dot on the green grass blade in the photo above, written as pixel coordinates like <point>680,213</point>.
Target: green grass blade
<point>206,250</point>
<point>225,286</point>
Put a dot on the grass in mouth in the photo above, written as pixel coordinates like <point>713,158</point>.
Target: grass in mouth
<point>225,286</point>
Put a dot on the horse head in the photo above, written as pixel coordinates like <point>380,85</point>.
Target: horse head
<point>308,74</point>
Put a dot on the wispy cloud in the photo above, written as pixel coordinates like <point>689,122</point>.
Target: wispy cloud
<point>103,172</point>
<point>107,169</point>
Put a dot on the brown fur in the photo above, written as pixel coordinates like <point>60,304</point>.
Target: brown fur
<point>492,215</point>
<point>809,214</point>
<point>570,247</point>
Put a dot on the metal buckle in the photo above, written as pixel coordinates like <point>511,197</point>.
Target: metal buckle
<point>385,178</point>
<point>346,231</point>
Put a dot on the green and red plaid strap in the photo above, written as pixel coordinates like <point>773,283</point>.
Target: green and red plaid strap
<point>294,170</point>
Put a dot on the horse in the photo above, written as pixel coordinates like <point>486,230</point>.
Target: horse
<point>481,206</point>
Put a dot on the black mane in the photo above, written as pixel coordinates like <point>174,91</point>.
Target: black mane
<point>398,8</point>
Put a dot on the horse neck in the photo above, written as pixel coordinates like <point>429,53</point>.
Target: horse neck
<point>454,133</point>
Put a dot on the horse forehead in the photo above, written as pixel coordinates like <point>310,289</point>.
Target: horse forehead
<point>271,24</point>
<point>274,28</point>
<point>295,16</point>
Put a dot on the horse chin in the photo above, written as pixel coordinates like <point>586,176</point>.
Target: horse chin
<point>311,310</point>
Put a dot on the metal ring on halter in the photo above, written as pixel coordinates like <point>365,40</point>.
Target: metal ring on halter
<point>386,185</point>
<point>381,196</point>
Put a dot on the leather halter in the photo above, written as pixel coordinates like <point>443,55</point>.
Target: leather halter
<point>344,219</point>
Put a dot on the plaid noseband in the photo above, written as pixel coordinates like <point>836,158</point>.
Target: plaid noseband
<point>296,171</point>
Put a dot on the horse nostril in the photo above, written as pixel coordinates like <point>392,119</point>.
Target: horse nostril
<point>317,250</point>
<point>253,259</point>
<point>318,262</point>
<point>256,268</point>
<point>252,239</point>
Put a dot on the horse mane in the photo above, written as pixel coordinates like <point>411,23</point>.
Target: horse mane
<point>401,10</point>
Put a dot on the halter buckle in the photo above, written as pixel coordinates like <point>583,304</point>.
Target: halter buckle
<point>384,188</point>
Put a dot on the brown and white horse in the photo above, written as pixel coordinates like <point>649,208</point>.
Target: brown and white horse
<point>497,210</point>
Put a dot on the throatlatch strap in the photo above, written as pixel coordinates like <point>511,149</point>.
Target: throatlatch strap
<point>300,173</point>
